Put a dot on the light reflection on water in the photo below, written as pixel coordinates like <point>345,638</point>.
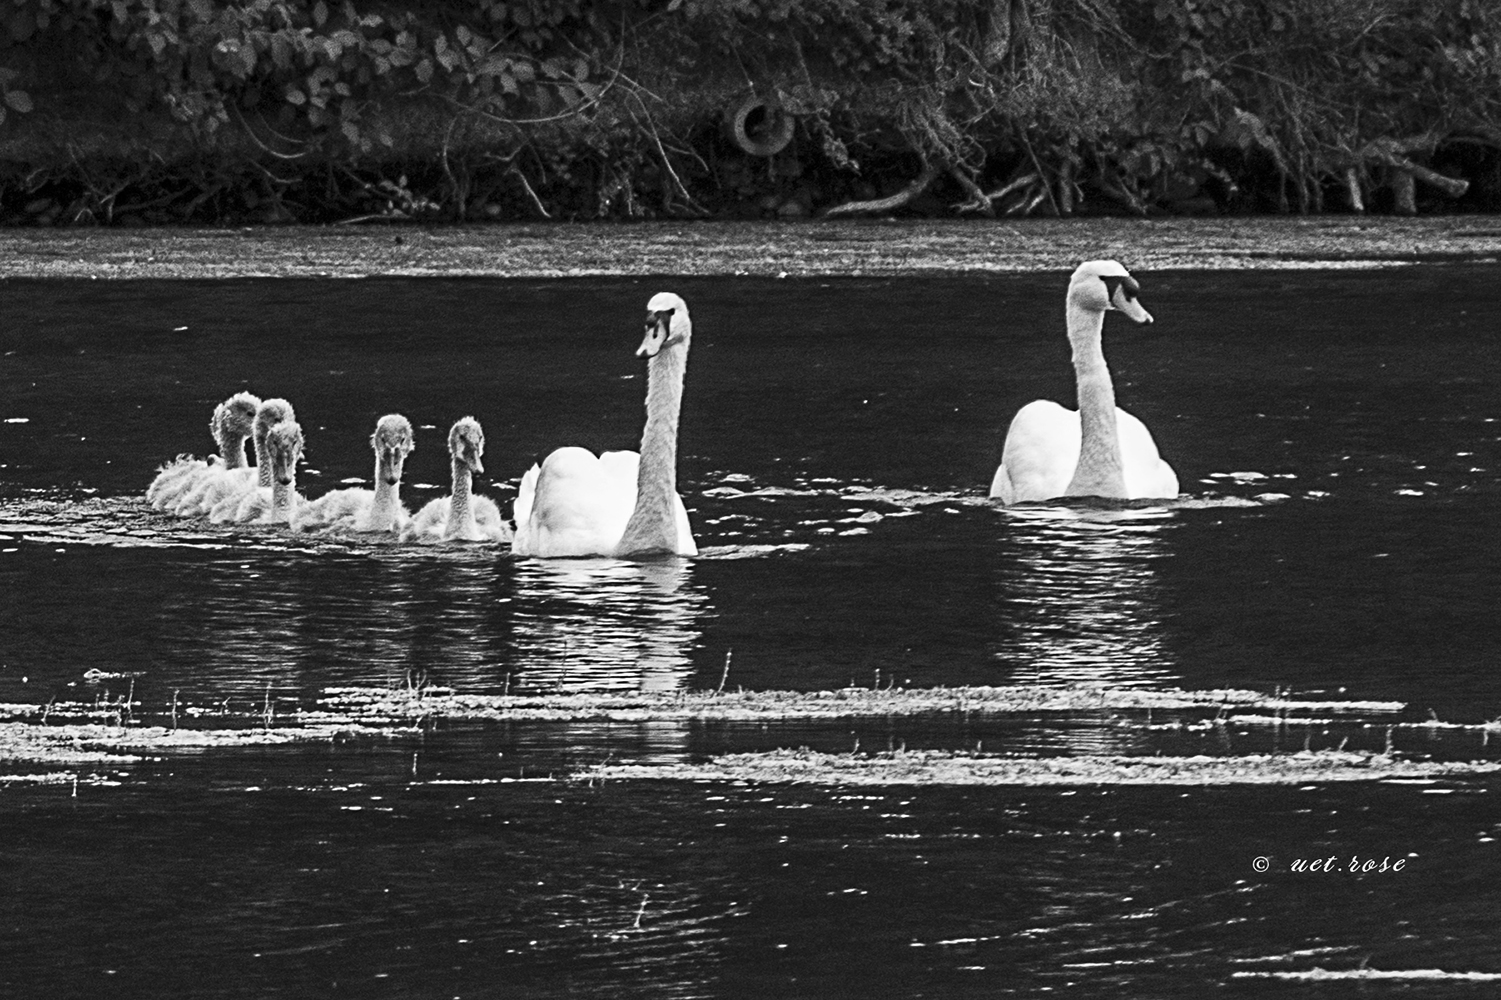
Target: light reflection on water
<point>850,461</point>
<point>603,624</point>
<point>1083,598</point>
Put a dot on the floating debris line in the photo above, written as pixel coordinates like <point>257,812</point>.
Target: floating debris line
<point>1330,975</point>
<point>936,767</point>
<point>377,704</point>
<point>96,743</point>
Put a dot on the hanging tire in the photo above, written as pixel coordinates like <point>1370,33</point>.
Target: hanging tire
<point>759,127</point>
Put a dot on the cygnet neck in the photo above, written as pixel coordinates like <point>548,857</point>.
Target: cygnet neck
<point>263,475</point>
<point>283,501</point>
<point>459,514</point>
<point>387,496</point>
<point>232,449</point>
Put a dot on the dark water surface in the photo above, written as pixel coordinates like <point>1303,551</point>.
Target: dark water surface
<point>1338,438</point>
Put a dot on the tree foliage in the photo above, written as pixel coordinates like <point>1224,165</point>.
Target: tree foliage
<point>611,108</point>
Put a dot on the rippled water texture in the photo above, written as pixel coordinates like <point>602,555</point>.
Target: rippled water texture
<point>1338,438</point>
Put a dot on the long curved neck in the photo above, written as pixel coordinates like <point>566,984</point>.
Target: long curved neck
<point>232,451</point>
<point>653,526</point>
<point>262,462</point>
<point>1099,472</point>
<point>459,514</point>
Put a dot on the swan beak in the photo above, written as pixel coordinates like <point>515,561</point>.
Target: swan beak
<point>477,465</point>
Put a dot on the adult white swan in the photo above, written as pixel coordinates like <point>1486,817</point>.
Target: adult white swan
<point>1100,450</point>
<point>619,503</point>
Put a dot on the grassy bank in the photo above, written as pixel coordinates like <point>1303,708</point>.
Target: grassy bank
<point>761,249</point>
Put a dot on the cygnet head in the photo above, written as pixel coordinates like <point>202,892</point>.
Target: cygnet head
<point>1101,285</point>
<point>667,325</point>
<point>284,445</point>
<point>270,413</point>
<point>392,442</point>
<point>466,443</point>
<point>234,418</point>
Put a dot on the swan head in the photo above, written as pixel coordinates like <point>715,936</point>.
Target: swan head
<point>667,324</point>
<point>284,445</point>
<point>268,415</point>
<point>234,419</point>
<point>1103,285</point>
<point>392,442</point>
<point>466,443</point>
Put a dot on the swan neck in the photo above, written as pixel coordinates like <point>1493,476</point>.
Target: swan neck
<point>383,505</point>
<point>653,525</point>
<point>232,451</point>
<point>1100,472</point>
<point>458,505</point>
<point>263,475</point>
<point>283,500</point>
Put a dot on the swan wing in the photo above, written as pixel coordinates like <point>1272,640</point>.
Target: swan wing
<point>427,524</point>
<point>332,507</point>
<point>521,510</point>
<point>579,505</point>
<point>242,507</point>
<point>686,544</point>
<point>172,480</point>
<point>212,485</point>
<point>1040,454</point>
<point>1147,475</point>
<point>492,526</point>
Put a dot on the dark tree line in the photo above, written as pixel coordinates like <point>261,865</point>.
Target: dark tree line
<point>131,111</point>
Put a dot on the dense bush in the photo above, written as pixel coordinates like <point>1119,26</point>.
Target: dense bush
<point>159,110</point>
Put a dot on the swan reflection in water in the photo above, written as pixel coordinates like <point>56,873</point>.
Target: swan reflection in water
<point>1081,601</point>
<point>605,624</point>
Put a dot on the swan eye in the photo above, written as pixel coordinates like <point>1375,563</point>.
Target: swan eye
<point>1123,283</point>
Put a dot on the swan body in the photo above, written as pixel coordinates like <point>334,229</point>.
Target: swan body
<point>1098,450</point>
<point>279,503</point>
<point>365,510</point>
<point>226,508</point>
<point>621,503</point>
<point>464,516</point>
<point>230,425</point>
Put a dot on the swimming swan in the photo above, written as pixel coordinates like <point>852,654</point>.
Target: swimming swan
<point>1101,450</point>
<point>621,503</point>
<point>369,510</point>
<point>279,503</point>
<point>464,516</point>
<point>227,507</point>
<point>230,425</point>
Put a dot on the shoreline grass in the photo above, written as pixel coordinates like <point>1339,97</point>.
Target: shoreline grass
<point>747,249</point>
<point>409,704</point>
<point>932,767</point>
